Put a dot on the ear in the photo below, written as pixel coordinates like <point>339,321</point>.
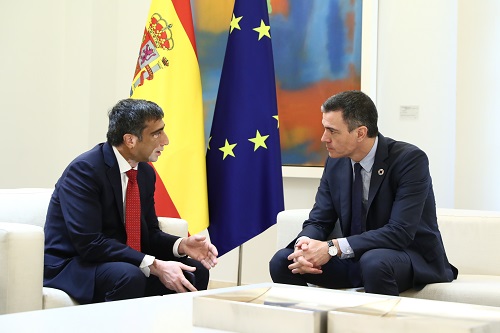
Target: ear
<point>129,140</point>
<point>362,133</point>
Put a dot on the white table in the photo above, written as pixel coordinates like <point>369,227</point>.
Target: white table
<point>172,313</point>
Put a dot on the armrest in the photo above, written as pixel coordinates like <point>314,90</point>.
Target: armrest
<point>21,263</point>
<point>289,224</point>
<point>173,226</point>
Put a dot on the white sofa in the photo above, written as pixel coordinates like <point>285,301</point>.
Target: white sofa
<point>470,238</point>
<point>22,217</point>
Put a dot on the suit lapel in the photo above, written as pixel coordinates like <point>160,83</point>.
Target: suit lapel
<point>141,182</point>
<point>345,179</point>
<point>379,169</point>
<point>113,174</point>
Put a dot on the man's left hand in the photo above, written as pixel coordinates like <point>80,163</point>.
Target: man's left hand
<point>309,256</point>
<point>199,248</point>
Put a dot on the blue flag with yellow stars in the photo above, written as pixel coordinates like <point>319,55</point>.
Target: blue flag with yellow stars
<point>245,185</point>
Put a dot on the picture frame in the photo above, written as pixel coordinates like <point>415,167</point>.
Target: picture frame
<point>211,31</point>
<point>369,45</point>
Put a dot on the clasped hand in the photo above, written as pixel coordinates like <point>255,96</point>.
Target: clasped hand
<point>308,256</point>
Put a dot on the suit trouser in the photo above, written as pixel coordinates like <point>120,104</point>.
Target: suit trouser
<point>379,271</point>
<point>120,280</point>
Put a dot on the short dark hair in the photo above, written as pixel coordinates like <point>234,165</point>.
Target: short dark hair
<point>357,110</point>
<point>130,116</point>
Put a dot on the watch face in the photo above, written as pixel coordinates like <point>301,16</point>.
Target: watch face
<point>332,250</point>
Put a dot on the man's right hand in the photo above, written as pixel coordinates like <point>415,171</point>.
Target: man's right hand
<point>171,275</point>
<point>302,265</point>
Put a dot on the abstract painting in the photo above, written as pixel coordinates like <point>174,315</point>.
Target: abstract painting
<point>317,53</point>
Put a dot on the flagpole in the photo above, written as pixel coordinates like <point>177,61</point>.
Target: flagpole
<point>240,261</point>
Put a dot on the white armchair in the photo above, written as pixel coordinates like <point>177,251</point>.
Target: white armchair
<point>22,216</point>
<point>478,279</point>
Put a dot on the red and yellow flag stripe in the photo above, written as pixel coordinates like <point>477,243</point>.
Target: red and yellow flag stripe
<point>168,74</point>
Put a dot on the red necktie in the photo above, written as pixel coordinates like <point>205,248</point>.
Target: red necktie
<point>133,211</point>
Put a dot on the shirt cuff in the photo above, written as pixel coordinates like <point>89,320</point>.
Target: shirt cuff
<point>301,237</point>
<point>346,249</point>
<point>145,263</point>
<point>176,248</point>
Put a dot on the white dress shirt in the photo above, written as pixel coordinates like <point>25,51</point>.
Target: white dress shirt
<point>124,167</point>
<point>366,174</point>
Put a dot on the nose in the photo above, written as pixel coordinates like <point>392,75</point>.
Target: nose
<point>164,139</point>
<point>325,137</point>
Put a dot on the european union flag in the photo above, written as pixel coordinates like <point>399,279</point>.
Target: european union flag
<point>245,185</point>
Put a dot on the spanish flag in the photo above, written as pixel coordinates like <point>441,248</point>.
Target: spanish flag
<point>167,73</point>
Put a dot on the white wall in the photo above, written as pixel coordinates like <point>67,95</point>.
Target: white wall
<point>478,105</point>
<point>66,62</point>
<point>417,67</point>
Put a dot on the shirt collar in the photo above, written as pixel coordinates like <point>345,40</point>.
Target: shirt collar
<point>122,162</point>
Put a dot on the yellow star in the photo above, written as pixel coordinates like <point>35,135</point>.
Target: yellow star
<point>235,23</point>
<point>278,119</point>
<point>263,30</point>
<point>227,149</point>
<point>208,145</point>
<point>259,141</point>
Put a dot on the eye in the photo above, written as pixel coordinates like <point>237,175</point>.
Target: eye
<point>156,135</point>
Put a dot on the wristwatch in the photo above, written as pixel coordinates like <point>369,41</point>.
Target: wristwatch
<point>332,249</point>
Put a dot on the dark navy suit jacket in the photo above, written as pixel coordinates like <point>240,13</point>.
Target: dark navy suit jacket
<point>85,223</point>
<point>400,214</point>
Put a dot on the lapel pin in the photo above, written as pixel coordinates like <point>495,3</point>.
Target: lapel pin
<point>380,172</point>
